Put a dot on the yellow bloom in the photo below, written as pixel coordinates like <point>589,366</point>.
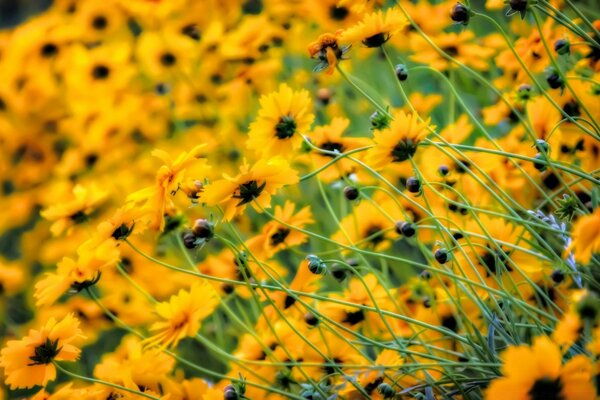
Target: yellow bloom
<point>283,117</point>
<point>537,372</point>
<point>275,236</point>
<point>168,178</point>
<point>28,362</point>
<point>182,314</point>
<point>327,50</point>
<point>586,237</point>
<point>254,183</point>
<point>375,28</point>
<point>93,258</point>
<point>399,141</point>
<point>68,213</point>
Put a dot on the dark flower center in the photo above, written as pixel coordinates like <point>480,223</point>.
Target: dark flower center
<point>78,217</point>
<point>403,150</point>
<point>49,50</point>
<point>279,236</point>
<point>168,59</point>
<point>100,22</point>
<point>191,31</point>
<point>546,389</point>
<point>286,127</point>
<point>492,260</point>
<point>122,232</point>
<point>248,191</point>
<point>354,317</point>
<point>77,287</point>
<point>376,40</point>
<point>45,353</point>
<point>332,146</point>
<point>375,234</point>
<point>100,72</point>
<point>338,13</point>
<point>452,51</point>
<point>288,302</point>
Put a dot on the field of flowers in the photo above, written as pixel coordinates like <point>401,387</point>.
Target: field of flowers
<point>301,199</point>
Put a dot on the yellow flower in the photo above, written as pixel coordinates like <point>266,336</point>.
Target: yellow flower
<point>327,50</point>
<point>375,28</point>
<point>254,183</point>
<point>586,237</point>
<point>28,362</point>
<point>275,236</point>
<point>74,211</point>
<point>537,372</point>
<point>168,178</point>
<point>93,258</point>
<point>284,115</point>
<point>182,314</point>
<point>399,141</point>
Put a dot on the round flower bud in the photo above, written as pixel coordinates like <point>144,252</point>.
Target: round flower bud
<point>540,166</point>
<point>229,393</point>
<point>405,228</point>
<point>311,319</point>
<point>460,14</point>
<point>189,240</point>
<point>203,229</point>
<point>413,185</point>
<point>351,193</point>
<point>316,265</point>
<point>379,120</point>
<point>554,80</point>
<point>542,146</point>
<point>562,46</point>
<point>518,5</point>
<point>441,256</point>
<point>386,390</point>
<point>443,170</point>
<point>401,72</point>
<point>558,276</point>
<point>324,96</point>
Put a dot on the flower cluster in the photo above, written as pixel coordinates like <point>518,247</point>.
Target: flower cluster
<point>312,199</point>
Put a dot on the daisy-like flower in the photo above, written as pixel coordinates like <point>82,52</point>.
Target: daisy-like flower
<point>77,210</point>
<point>93,258</point>
<point>275,236</point>
<point>375,28</point>
<point>586,237</point>
<point>182,314</point>
<point>168,178</point>
<point>283,116</point>
<point>29,362</point>
<point>327,50</point>
<point>254,183</point>
<point>399,141</point>
<point>537,372</point>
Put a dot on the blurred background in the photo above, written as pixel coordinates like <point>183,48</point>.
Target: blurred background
<point>13,12</point>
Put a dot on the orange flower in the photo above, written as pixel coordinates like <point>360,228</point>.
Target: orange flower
<point>28,362</point>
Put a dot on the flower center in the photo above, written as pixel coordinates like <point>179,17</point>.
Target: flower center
<point>546,389</point>
<point>248,191</point>
<point>100,72</point>
<point>403,150</point>
<point>168,59</point>
<point>286,127</point>
<point>376,40</point>
<point>45,353</point>
<point>332,146</point>
<point>279,236</point>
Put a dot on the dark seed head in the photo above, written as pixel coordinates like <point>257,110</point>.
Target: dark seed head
<point>311,319</point>
<point>100,72</point>
<point>407,229</point>
<point>100,22</point>
<point>558,276</point>
<point>562,46</point>
<point>413,185</point>
<point>460,14</point>
<point>441,256</point>
<point>540,165</point>
<point>189,240</point>
<point>203,229</point>
<point>351,193</point>
<point>443,170</point>
<point>401,72</point>
<point>168,59</point>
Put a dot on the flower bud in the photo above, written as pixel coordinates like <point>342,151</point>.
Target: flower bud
<point>441,256</point>
<point>460,14</point>
<point>386,390</point>
<point>405,228</point>
<point>203,229</point>
<point>562,47</point>
<point>401,72</point>
<point>351,193</point>
<point>189,240</point>
<point>316,265</point>
<point>413,185</point>
<point>540,166</point>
